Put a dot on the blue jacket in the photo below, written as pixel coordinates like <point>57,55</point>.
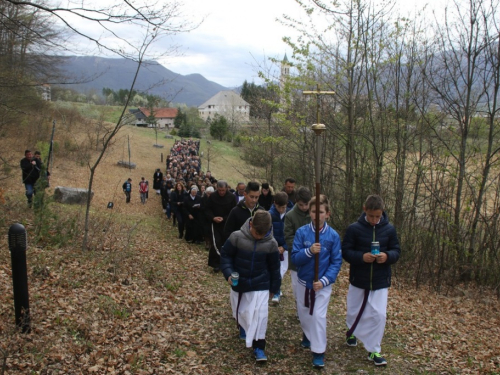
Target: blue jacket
<point>357,241</point>
<point>278,227</point>
<point>330,257</point>
<point>257,261</point>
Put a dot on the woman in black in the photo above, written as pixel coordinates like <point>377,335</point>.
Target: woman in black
<point>177,201</point>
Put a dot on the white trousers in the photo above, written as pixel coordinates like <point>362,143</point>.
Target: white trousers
<point>314,326</point>
<point>252,313</point>
<point>284,264</point>
<point>371,326</point>
<point>295,282</point>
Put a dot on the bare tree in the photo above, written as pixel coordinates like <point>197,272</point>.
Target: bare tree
<point>454,74</point>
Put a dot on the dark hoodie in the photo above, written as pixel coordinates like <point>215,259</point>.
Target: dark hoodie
<point>357,241</point>
<point>238,216</point>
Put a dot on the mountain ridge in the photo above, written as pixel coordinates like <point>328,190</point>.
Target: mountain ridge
<point>95,73</point>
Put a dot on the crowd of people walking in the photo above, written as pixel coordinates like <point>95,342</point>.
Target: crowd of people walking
<point>254,236</point>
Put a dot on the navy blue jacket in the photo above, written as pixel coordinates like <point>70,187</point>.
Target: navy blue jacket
<point>257,261</point>
<point>278,227</point>
<point>357,241</point>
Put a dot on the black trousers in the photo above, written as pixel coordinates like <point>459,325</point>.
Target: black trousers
<point>261,344</point>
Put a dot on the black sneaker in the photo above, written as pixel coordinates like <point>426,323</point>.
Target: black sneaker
<point>351,341</point>
<point>377,359</point>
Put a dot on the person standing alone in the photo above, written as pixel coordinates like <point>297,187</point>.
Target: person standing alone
<point>31,172</point>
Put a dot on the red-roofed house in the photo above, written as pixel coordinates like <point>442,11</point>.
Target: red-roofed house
<point>164,116</point>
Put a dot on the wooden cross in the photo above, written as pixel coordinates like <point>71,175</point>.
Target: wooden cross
<point>318,92</point>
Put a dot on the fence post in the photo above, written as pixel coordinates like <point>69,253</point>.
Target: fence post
<point>18,242</point>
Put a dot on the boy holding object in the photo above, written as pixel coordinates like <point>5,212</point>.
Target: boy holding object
<point>370,245</point>
<point>313,297</point>
<point>253,253</point>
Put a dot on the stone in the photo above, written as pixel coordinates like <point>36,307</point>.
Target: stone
<point>126,164</point>
<point>69,195</point>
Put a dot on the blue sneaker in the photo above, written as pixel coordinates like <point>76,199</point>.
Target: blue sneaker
<point>319,360</point>
<point>260,356</point>
<point>305,343</point>
<point>243,334</point>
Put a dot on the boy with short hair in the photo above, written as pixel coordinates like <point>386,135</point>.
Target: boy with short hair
<point>369,276</point>
<point>278,211</point>
<point>253,253</point>
<point>244,209</point>
<point>297,217</point>
<point>314,296</point>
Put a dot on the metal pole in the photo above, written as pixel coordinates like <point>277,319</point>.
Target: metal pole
<point>318,130</point>
<point>129,165</point>
<point>18,243</point>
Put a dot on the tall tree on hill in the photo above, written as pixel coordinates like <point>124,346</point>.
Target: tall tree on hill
<point>219,127</point>
<point>180,119</point>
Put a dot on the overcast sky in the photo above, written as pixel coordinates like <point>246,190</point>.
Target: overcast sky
<point>238,36</point>
<point>235,37</point>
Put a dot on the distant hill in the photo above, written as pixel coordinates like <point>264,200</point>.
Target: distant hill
<point>98,72</point>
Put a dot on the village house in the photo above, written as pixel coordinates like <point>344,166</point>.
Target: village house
<point>228,104</point>
<point>164,117</point>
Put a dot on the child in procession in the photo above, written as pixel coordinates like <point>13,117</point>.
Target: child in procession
<point>313,296</point>
<point>369,276</point>
<point>253,253</point>
<point>278,211</point>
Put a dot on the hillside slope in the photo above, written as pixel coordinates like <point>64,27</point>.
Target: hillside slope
<point>144,302</point>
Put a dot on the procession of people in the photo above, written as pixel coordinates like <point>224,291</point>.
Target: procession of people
<point>253,236</point>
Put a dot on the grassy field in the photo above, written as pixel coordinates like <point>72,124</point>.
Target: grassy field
<point>144,302</point>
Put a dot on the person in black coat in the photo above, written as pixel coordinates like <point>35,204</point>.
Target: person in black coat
<point>244,209</point>
<point>207,226</point>
<point>157,179</point>
<point>31,168</point>
<point>176,202</point>
<point>217,210</point>
<point>266,198</point>
<point>192,216</point>
<point>369,276</point>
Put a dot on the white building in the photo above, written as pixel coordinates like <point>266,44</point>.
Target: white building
<point>228,104</point>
